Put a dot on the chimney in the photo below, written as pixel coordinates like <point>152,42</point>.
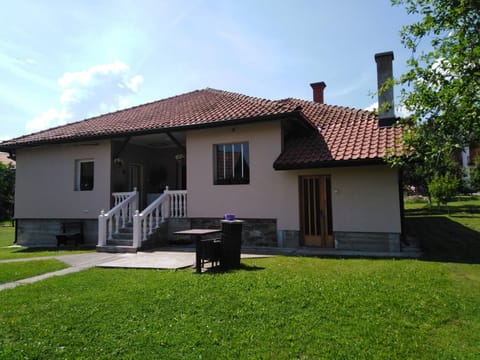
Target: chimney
<point>386,109</point>
<point>318,91</point>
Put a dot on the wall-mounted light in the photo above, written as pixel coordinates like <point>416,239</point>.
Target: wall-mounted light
<point>118,162</point>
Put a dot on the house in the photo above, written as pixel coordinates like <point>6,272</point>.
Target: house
<point>300,173</point>
<point>5,160</point>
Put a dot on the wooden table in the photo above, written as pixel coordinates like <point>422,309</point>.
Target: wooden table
<point>196,235</point>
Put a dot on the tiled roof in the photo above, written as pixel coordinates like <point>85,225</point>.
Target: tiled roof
<point>344,134</point>
<point>192,109</point>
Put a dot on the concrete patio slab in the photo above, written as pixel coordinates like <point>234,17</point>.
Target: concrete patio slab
<point>152,260</point>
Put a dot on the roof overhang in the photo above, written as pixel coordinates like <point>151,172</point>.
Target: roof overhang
<point>329,164</point>
<point>296,116</point>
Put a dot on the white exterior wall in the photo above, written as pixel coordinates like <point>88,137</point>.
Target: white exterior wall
<point>45,181</point>
<point>264,197</point>
<point>364,198</point>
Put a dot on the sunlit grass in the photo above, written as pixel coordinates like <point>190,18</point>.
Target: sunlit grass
<point>21,270</point>
<point>275,308</point>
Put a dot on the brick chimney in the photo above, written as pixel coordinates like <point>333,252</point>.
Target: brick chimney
<point>318,91</point>
<point>386,109</point>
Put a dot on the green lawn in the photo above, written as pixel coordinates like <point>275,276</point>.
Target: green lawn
<point>21,270</point>
<point>274,308</point>
<point>446,236</point>
<point>7,234</point>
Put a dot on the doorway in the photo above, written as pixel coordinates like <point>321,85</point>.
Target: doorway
<point>316,211</point>
<point>135,180</point>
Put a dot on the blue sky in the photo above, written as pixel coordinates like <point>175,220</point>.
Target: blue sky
<point>62,61</point>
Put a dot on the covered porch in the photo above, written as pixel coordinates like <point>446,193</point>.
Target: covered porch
<point>150,163</point>
<point>148,186</point>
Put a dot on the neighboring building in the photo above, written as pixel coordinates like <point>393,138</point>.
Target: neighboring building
<point>300,173</point>
<point>4,159</point>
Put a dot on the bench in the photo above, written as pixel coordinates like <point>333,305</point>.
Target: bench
<point>71,231</point>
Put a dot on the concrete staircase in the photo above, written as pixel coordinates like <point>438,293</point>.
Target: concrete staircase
<point>121,242</point>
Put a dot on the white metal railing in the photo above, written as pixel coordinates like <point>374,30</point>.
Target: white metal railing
<point>169,204</point>
<point>125,206</point>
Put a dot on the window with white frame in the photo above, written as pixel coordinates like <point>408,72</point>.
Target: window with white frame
<point>232,164</point>
<point>84,175</point>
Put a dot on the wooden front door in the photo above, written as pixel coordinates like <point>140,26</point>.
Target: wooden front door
<point>316,211</point>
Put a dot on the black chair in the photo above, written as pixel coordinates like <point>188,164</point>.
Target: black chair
<point>210,251</point>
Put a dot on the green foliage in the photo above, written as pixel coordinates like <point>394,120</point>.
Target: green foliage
<point>475,175</point>
<point>275,308</point>
<point>441,87</point>
<point>443,187</point>
<point>7,191</point>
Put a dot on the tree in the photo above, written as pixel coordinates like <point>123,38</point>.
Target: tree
<point>441,88</point>
<point>7,189</point>
<point>443,187</point>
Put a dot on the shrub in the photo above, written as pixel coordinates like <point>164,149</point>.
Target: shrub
<point>443,187</point>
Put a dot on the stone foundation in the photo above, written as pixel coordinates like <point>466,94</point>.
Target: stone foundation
<point>288,238</point>
<point>360,241</point>
<point>255,232</point>
<point>42,232</point>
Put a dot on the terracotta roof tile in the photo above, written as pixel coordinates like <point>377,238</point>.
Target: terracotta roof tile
<point>343,133</point>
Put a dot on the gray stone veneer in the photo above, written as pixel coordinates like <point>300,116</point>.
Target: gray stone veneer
<point>42,232</point>
<point>255,232</point>
<point>367,241</point>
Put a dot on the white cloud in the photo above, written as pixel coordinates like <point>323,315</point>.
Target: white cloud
<point>99,89</point>
<point>372,107</point>
<point>87,76</point>
<point>400,110</point>
<point>52,117</point>
<point>134,82</point>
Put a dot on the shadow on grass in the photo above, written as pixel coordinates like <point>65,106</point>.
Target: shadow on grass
<point>443,239</point>
<point>434,210</point>
<point>243,267</point>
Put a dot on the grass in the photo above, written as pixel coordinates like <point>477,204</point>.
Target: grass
<point>21,270</point>
<point>446,236</point>
<point>7,234</point>
<point>275,308</point>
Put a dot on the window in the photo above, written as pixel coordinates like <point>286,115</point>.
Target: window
<point>232,164</point>
<point>84,175</point>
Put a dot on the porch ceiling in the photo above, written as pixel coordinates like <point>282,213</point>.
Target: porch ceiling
<point>160,140</point>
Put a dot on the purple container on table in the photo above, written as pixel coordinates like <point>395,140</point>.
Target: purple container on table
<point>229,217</point>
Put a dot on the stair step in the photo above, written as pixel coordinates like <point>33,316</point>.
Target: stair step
<point>120,242</point>
<point>122,236</point>
<point>116,249</point>
<point>126,230</point>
